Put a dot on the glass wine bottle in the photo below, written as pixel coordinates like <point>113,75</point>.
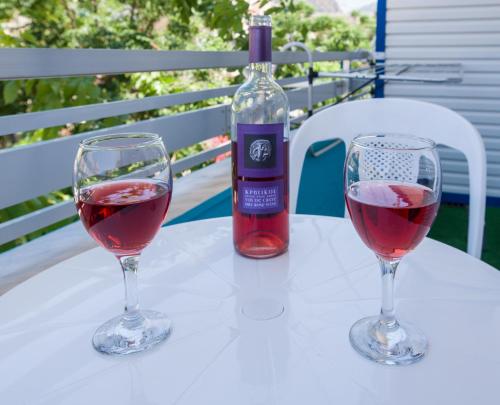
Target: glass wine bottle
<point>259,133</point>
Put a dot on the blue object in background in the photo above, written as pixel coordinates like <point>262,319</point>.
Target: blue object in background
<point>380,42</point>
<point>215,207</point>
<point>321,189</point>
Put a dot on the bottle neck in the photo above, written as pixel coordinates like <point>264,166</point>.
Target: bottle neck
<point>259,51</point>
<point>260,69</point>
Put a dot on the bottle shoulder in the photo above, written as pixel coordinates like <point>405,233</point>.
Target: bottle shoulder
<point>260,101</point>
<point>260,88</point>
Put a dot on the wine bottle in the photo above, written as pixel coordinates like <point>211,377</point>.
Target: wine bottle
<point>259,135</point>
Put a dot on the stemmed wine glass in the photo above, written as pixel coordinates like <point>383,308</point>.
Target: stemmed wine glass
<point>122,186</point>
<point>392,190</point>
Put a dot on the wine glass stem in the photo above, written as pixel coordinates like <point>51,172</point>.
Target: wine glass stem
<point>387,311</point>
<point>130,264</point>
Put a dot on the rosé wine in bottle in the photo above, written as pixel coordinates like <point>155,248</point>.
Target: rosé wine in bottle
<point>260,127</point>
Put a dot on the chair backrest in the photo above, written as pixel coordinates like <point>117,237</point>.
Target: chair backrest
<point>345,121</point>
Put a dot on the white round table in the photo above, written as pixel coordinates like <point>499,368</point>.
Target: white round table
<point>216,355</point>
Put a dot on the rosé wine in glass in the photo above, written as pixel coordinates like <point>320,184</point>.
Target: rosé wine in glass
<point>391,218</point>
<point>122,186</point>
<point>124,216</point>
<point>392,187</point>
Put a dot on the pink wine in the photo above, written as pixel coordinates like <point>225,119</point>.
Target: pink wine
<point>392,218</point>
<point>124,216</point>
<point>256,234</point>
<point>259,134</point>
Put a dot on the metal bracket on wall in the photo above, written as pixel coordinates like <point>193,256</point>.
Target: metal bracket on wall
<point>418,72</point>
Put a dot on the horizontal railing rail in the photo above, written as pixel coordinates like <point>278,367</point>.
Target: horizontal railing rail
<point>61,116</point>
<point>42,167</point>
<point>38,63</point>
<point>39,168</point>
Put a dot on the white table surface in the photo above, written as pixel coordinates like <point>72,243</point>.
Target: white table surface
<point>216,355</point>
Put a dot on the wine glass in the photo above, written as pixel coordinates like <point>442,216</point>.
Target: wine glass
<point>392,191</point>
<point>122,185</point>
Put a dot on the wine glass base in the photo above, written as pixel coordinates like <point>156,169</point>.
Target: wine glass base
<point>128,333</point>
<point>408,345</point>
<point>262,309</point>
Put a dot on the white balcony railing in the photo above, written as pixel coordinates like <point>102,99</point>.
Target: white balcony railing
<point>30,171</point>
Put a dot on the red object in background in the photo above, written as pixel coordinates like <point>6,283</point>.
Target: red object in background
<point>124,216</point>
<point>217,141</point>
<point>391,218</point>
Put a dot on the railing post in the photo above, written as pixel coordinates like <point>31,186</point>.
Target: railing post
<point>346,68</point>
<point>380,44</point>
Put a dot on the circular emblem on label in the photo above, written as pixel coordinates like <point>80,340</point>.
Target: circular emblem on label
<point>260,150</point>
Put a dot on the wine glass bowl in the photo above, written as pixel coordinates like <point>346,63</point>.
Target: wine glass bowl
<point>122,190</point>
<point>392,192</point>
<point>110,211</point>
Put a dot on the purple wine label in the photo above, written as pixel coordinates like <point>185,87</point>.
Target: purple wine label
<point>260,156</point>
<point>260,44</point>
<point>260,150</point>
<point>260,197</point>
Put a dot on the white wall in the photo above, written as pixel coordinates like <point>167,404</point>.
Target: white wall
<point>453,31</point>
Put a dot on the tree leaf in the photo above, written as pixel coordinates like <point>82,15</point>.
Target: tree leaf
<point>10,92</point>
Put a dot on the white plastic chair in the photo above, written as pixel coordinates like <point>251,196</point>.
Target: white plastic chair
<point>397,115</point>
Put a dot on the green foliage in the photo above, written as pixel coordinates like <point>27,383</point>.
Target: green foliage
<point>146,24</point>
<point>225,16</point>
<point>149,24</point>
<point>321,33</point>
<point>10,92</point>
